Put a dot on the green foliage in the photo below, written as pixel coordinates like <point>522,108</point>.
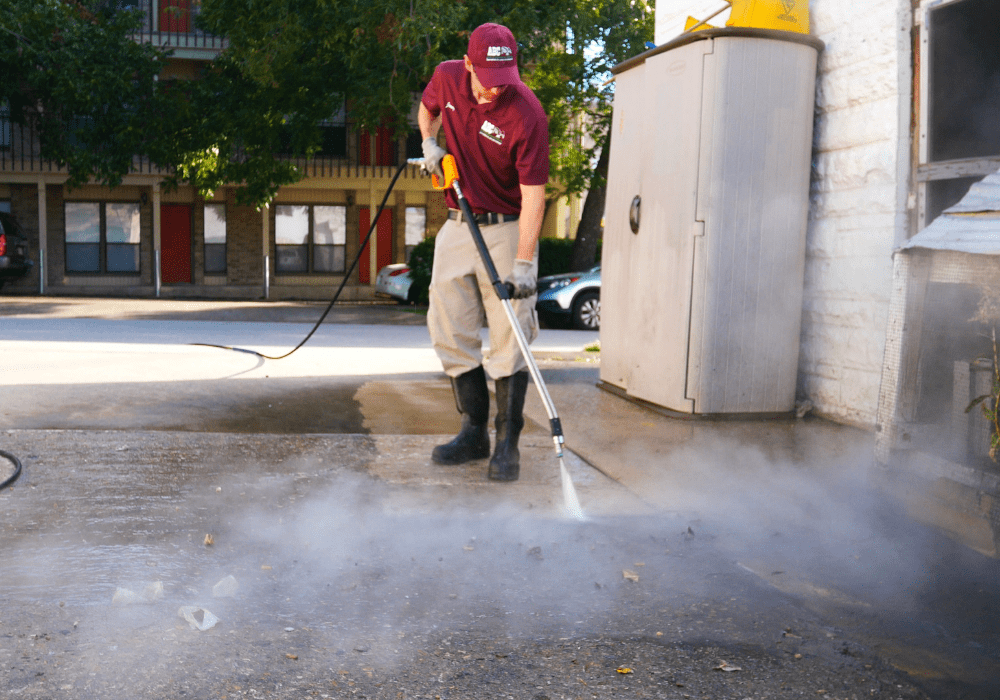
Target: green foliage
<point>555,254</point>
<point>300,59</point>
<point>72,70</point>
<point>73,73</point>
<point>421,262</point>
<point>571,76</point>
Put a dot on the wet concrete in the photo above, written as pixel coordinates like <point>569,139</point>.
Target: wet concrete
<point>719,561</point>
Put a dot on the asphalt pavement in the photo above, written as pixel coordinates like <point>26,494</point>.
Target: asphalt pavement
<point>294,502</point>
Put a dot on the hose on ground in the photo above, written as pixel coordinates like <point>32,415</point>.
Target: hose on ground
<point>347,274</point>
<point>17,469</point>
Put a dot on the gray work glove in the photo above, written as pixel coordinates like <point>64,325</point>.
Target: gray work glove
<point>522,280</point>
<point>432,157</point>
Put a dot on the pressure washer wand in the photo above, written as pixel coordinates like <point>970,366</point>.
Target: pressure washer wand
<point>503,292</point>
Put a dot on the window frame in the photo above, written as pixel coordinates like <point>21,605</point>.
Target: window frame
<point>103,244</point>
<point>206,244</point>
<point>930,176</point>
<point>311,245</point>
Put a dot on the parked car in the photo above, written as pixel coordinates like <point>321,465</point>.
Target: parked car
<point>574,297</point>
<point>395,281</point>
<point>14,260</point>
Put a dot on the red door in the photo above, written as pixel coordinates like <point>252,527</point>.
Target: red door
<point>383,243</point>
<point>384,147</point>
<point>175,243</point>
<point>175,16</point>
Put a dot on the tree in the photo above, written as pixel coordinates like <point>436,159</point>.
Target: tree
<point>300,59</point>
<point>573,76</point>
<point>71,71</point>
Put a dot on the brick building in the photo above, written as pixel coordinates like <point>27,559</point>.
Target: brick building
<point>141,240</point>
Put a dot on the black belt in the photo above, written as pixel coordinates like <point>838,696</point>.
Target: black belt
<point>487,219</point>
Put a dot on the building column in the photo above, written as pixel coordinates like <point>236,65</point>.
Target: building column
<point>43,239</point>
<point>265,214</point>
<point>156,237</point>
<point>373,241</point>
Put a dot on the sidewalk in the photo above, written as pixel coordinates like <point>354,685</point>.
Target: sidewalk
<point>627,442</point>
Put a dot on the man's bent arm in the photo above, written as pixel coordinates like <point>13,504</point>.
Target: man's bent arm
<point>530,221</point>
<point>428,123</point>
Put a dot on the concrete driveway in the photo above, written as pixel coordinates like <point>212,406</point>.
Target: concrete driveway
<point>722,560</point>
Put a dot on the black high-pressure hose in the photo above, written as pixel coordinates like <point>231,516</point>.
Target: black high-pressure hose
<point>17,469</point>
<point>347,274</point>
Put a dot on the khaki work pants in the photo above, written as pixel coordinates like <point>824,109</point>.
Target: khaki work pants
<point>462,299</point>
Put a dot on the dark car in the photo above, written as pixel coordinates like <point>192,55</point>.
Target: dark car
<point>14,260</point>
<point>574,297</point>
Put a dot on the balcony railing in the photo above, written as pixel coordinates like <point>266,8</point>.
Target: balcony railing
<point>170,24</point>
<point>20,152</point>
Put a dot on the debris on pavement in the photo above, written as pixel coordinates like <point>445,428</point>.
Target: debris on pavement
<point>727,667</point>
<point>226,588</point>
<point>209,540</point>
<point>199,618</point>
<point>630,576</point>
<point>624,670</point>
<point>150,593</point>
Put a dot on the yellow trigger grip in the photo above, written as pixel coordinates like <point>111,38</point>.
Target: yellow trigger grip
<point>450,170</point>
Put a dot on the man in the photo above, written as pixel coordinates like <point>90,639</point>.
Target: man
<point>498,133</point>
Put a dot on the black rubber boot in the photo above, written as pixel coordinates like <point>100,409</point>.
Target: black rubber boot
<point>506,462</point>
<point>472,399</point>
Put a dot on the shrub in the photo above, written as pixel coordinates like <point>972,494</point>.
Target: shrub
<point>421,262</point>
<point>554,255</point>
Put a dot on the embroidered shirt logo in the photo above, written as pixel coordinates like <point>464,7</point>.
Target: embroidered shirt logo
<point>493,133</point>
<point>449,105</point>
<point>499,53</point>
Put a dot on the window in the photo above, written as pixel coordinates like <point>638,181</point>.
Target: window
<point>215,238</point>
<point>416,228</point>
<point>102,237</point>
<point>310,238</point>
<point>964,80</point>
<point>959,100</point>
<point>5,205</point>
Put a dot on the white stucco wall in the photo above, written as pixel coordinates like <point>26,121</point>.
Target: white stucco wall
<point>858,200</point>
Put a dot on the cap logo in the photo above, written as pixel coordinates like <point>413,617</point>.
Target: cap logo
<point>499,53</point>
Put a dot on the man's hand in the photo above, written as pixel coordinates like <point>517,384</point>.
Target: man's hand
<point>432,157</point>
<point>522,279</point>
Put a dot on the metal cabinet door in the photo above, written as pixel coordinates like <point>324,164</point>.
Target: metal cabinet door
<point>628,146</point>
<point>753,198</point>
<point>664,248</point>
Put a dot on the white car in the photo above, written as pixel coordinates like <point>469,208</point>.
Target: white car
<point>395,281</point>
<point>573,297</point>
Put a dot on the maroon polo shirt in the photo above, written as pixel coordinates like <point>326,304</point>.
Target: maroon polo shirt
<point>497,146</point>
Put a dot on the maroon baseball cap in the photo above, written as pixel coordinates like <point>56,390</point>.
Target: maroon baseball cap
<point>493,53</point>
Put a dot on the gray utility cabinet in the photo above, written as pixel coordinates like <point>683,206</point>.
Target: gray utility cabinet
<point>701,303</point>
